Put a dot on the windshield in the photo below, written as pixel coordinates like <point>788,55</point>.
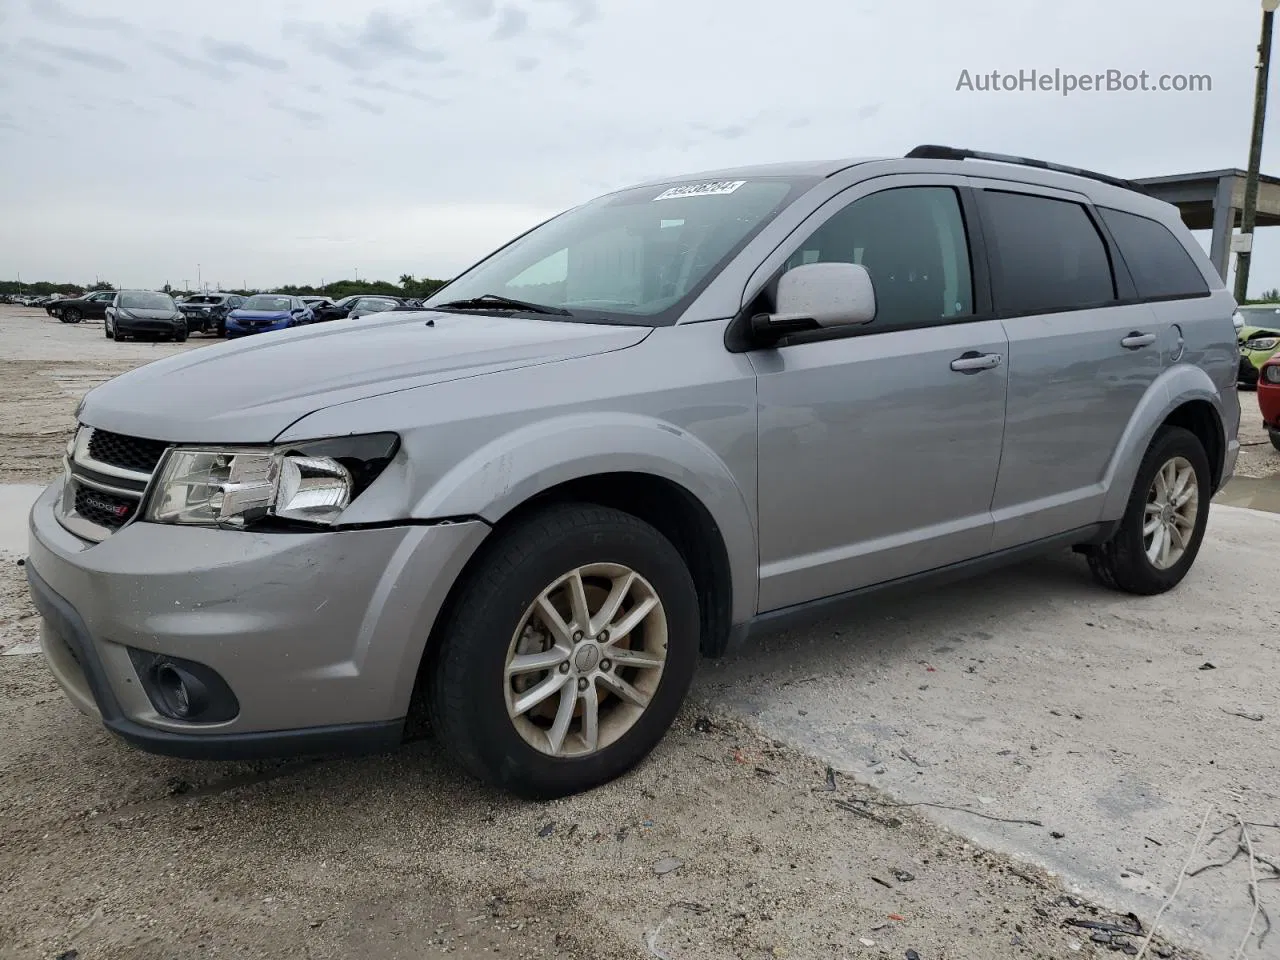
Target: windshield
<point>204,299</point>
<point>147,301</point>
<point>636,256</point>
<point>1261,313</point>
<point>266,303</point>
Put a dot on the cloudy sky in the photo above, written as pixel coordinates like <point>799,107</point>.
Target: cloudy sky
<point>276,141</point>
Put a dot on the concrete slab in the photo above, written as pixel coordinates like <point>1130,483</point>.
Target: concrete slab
<point>1033,694</point>
<point>1254,493</point>
<point>15,503</point>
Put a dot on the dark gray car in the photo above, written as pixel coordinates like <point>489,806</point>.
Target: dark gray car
<point>144,313</point>
<point>645,431</point>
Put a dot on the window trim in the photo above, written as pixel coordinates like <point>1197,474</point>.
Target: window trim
<point>1164,298</point>
<point>738,337</point>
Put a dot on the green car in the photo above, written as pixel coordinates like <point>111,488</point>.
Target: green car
<point>1259,339</point>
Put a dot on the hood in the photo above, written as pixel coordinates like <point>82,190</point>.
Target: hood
<point>248,390</point>
<point>1248,332</point>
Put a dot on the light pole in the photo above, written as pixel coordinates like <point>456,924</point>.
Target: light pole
<point>1249,215</point>
<point>199,279</point>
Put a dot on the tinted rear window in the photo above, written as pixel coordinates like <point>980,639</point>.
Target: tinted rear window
<point>1048,256</point>
<point>1160,264</point>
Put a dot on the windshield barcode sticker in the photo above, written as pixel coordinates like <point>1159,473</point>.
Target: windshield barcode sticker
<point>701,189</point>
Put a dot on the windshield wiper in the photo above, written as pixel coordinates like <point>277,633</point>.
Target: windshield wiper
<point>495,300</point>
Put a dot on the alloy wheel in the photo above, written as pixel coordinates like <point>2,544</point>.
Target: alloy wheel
<point>1173,504</point>
<point>586,660</point>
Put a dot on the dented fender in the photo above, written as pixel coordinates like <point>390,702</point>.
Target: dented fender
<point>510,469</point>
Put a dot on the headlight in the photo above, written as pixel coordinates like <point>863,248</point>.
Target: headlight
<point>309,483</point>
<point>1262,343</point>
<point>1271,373</point>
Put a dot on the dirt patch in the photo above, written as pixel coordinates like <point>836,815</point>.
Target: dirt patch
<point>722,845</point>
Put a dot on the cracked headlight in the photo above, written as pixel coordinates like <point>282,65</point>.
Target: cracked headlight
<point>308,483</point>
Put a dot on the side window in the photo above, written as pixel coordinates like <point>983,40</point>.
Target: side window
<point>1160,264</point>
<point>912,241</point>
<point>1048,254</point>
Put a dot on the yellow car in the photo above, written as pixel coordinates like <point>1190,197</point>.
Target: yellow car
<point>1259,339</point>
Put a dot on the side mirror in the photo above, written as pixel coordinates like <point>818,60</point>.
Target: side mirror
<point>820,295</point>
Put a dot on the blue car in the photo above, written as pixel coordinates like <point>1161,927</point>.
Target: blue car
<point>267,311</point>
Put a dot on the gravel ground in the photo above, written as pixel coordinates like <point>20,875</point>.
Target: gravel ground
<point>722,845</point>
<point>731,841</point>
<point>46,367</point>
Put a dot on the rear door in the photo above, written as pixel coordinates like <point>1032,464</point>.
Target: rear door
<point>1082,353</point>
<point>879,444</point>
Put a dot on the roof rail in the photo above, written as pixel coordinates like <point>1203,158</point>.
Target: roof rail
<point>931,151</point>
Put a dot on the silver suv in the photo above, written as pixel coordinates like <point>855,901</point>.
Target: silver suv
<point>642,432</point>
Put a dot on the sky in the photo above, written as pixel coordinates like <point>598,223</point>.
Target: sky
<point>261,142</point>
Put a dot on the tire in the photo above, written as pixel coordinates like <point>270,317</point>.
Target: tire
<point>1274,434</point>
<point>106,327</point>
<point>116,335</point>
<point>468,688</point>
<point>1122,563</point>
<point>70,316</point>
<point>180,337</point>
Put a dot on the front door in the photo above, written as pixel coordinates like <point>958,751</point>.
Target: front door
<point>879,445</point>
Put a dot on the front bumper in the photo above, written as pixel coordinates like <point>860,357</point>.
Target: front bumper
<point>1247,372</point>
<point>243,328</point>
<point>319,636</point>
<point>130,325</point>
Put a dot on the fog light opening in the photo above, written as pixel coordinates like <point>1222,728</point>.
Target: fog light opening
<point>184,696</point>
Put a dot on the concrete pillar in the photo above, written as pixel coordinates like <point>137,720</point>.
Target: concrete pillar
<point>1224,224</point>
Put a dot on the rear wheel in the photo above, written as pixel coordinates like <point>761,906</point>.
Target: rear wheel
<point>1163,524</point>
<point>70,316</point>
<point>1274,434</point>
<point>567,653</point>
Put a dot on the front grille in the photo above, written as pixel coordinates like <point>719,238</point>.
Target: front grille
<point>105,509</point>
<point>107,475</point>
<point>127,453</point>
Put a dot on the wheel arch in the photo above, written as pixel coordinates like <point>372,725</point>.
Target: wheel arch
<point>1183,396</point>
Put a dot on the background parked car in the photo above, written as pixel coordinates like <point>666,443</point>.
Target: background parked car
<point>264,312</point>
<point>92,306</point>
<point>1269,398</point>
<point>317,303</point>
<point>337,310</point>
<point>207,312</point>
<point>54,301</point>
<point>367,305</point>
<point>134,313</point>
<point>1259,339</point>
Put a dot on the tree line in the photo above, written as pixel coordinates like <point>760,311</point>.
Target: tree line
<point>409,286</point>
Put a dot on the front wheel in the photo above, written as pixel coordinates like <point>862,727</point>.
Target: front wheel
<point>180,336</point>
<point>1163,524</point>
<point>1274,434</point>
<point>567,652</point>
<point>106,327</point>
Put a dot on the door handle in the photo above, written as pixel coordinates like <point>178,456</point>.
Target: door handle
<point>1137,340</point>
<point>974,362</point>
